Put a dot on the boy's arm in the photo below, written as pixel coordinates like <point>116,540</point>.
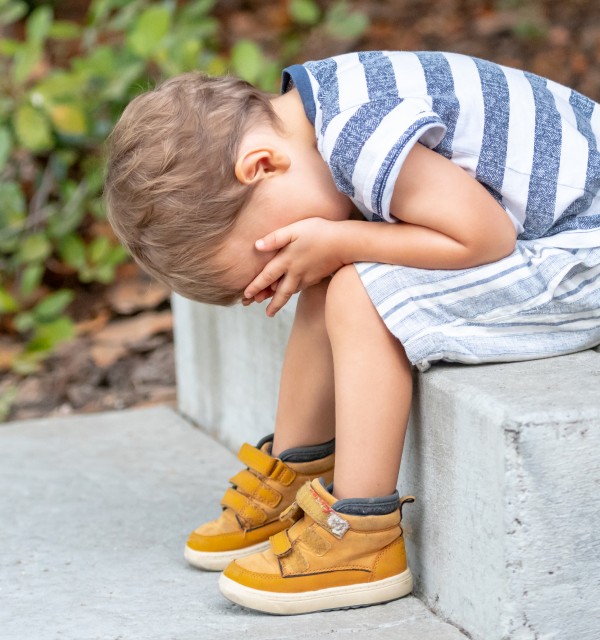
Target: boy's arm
<point>448,221</point>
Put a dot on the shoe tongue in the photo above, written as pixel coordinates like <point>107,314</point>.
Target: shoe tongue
<point>266,448</point>
<point>265,444</point>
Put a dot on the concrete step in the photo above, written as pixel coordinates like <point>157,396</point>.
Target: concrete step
<point>503,459</point>
<point>94,514</point>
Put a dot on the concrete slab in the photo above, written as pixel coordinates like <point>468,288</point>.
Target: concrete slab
<point>503,460</point>
<point>95,511</point>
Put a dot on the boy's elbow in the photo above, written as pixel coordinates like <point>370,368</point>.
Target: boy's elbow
<point>506,240</point>
<point>495,246</point>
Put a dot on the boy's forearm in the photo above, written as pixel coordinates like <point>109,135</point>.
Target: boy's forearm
<point>411,246</point>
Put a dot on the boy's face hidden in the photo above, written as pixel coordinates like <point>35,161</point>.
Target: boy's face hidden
<point>293,183</point>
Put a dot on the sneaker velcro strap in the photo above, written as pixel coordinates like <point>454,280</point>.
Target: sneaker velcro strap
<point>320,511</point>
<point>280,543</point>
<point>244,508</point>
<point>266,465</point>
<point>282,474</point>
<point>256,459</point>
<point>249,484</point>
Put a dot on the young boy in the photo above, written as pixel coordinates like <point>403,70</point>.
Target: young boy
<point>491,178</point>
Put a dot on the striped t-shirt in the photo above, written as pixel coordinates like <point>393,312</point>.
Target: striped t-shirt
<point>532,142</point>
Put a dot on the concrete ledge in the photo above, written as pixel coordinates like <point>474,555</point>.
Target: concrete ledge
<point>95,511</point>
<point>228,364</point>
<point>503,459</point>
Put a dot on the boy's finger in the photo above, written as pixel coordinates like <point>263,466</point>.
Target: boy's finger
<point>285,291</point>
<point>261,296</point>
<point>263,280</point>
<point>275,240</point>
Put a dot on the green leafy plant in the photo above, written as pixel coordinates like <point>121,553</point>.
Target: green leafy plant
<point>62,86</point>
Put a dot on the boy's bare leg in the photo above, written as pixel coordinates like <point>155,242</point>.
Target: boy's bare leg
<point>306,407</point>
<point>373,391</point>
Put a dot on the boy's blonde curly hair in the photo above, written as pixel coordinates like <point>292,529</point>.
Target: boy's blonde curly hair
<point>171,191</point>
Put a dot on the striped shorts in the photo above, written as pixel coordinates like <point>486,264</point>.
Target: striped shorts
<point>540,301</point>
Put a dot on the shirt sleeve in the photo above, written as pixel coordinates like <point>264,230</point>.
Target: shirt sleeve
<point>365,147</point>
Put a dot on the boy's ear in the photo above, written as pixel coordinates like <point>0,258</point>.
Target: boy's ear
<point>259,163</point>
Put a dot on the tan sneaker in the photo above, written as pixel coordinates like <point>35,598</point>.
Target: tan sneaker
<point>254,502</point>
<point>326,560</point>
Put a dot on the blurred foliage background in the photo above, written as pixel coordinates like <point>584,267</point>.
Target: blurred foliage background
<point>67,69</point>
<point>63,84</point>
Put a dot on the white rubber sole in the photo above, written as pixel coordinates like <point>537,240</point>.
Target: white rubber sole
<point>358,595</point>
<point>218,560</point>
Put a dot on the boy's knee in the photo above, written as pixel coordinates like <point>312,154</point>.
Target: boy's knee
<point>344,294</point>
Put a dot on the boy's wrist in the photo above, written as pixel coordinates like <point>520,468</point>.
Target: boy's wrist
<point>348,239</point>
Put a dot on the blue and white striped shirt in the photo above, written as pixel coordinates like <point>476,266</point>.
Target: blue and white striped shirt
<point>532,142</point>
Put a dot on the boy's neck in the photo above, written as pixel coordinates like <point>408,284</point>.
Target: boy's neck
<point>290,110</point>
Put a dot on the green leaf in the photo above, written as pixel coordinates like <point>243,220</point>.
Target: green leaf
<point>117,255</point>
<point>6,107</point>
<point>120,84</point>
<point>65,220</point>
<point>27,57</point>
<point>8,304</point>
<point>99,9</point>
<point>105,274</point>
<point>12,215</point>
<point>530,30</point>
<point>196,9</point>
<point>31,278</point>
<point>68,119</point>
<point>12,202</point>
<point>64,30</point>
<point>9,47</point>
<point>129,10</point>
<point>86,274</point>
<point>12,11</point>
<point>27,363</point>
<point>49,334</point>
<point>32,129</point>
<point>247,60</point>
<point>305,11</point>
<point>34,247</point>
<point>38,24</point>
<point>5,146</point>
<point>99,249</point>
<point>270,77</point>
<point>149,30</point>
<point>57,86</point>
<point>52,305</point>
<point>97,208</point>
<point>104,271</point>
<point>24,321</point>
<point>345,24</point>
<point>102,62</point>
<point>72,251</point>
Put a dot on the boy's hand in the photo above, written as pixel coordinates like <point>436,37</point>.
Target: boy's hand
<point>307,252</point>
<point>261,296</point>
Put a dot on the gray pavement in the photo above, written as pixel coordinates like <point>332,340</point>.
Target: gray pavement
<point>94,513</point>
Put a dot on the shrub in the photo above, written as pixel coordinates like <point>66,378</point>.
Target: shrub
<point>62,86</point>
